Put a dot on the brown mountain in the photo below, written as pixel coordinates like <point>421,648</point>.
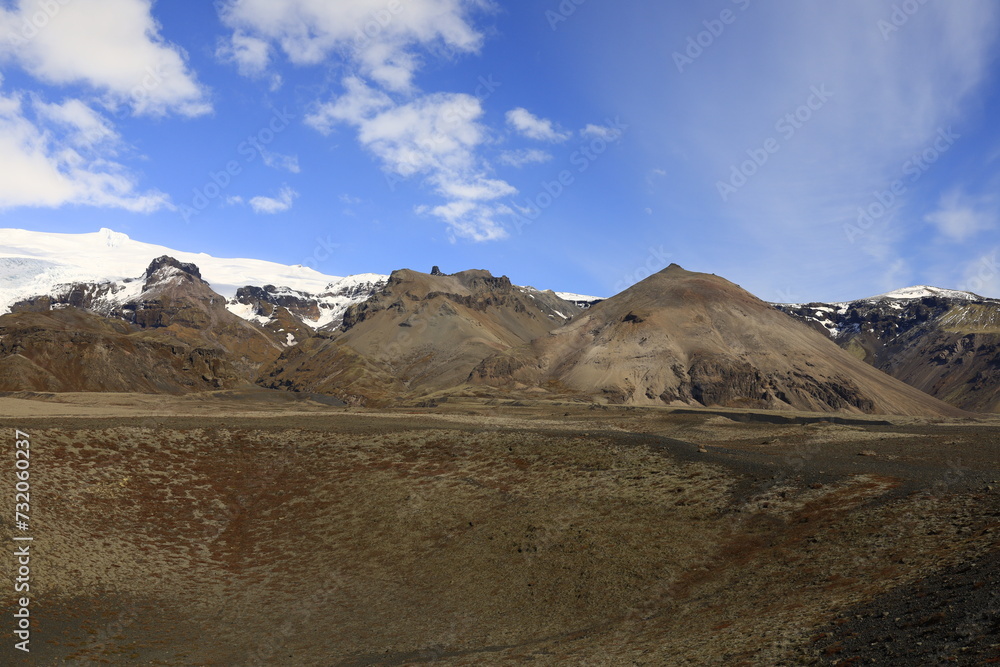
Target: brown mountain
<point>683,338</point>
<point>175,335</point>
<point>74,350</point>
<point>420,333</point>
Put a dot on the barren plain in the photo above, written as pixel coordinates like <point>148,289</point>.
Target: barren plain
<point>256,528</point>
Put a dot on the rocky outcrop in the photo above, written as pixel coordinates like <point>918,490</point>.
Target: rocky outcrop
<point>266,300</point>
<point>164,266</point>
<point>475,290</point>
<point>296,311</point>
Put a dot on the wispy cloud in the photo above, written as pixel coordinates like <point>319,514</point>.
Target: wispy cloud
<point>271,205</point>
<point>87,128</point>
<point>523,157</point>
<point>251,55</point>
<point>527,124</point>
<point>279,161</point>
<point>812,170</point>
<point>435,137</point>
<point>959,217</point>
<point>602,132</point>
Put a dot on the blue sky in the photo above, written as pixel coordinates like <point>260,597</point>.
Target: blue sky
<point>805,150</point>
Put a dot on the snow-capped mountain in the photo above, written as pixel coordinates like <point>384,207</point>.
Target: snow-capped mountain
<point>581,300</point>
<point>922,292</point>
<point>110,264</point>
<point>105,269</point>
<point>846,317</point>
<point>944,342</point>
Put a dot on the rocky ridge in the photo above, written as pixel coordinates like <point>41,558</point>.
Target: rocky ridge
<point>943,342</point>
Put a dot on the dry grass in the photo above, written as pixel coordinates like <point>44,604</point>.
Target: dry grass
<point>392,538</point>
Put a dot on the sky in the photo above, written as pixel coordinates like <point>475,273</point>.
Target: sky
<point>805,150</point>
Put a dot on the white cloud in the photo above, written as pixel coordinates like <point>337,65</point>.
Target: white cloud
<point>520,158</point>
<point>895,274</point>
<point>87,127</point>
<point>602,132</point>
<point>471,220</point>
<point>348,199</point>
<point>63,155</point>
<point>374,35</point>
<point>533,127</point>
<point>113,46</point>
<point>433,136</point>
<point>271,205</point>
<point>250,54</point>
<point>279,161</point>
<point>478,188</point>
<point>959,217</point>
<point>358,103</point>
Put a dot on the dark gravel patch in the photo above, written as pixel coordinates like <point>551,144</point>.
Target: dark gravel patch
<point>952,617</point>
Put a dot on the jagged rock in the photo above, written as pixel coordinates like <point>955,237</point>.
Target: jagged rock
<point>160,263</point>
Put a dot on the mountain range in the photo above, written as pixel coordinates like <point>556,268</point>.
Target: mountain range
<point>102,312</point>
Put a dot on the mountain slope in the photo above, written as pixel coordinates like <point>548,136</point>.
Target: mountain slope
<point>73,350</point>
<point>943,342</point>
<point>420,333</point>
<point>685,338</point>
<point>168,331</point>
